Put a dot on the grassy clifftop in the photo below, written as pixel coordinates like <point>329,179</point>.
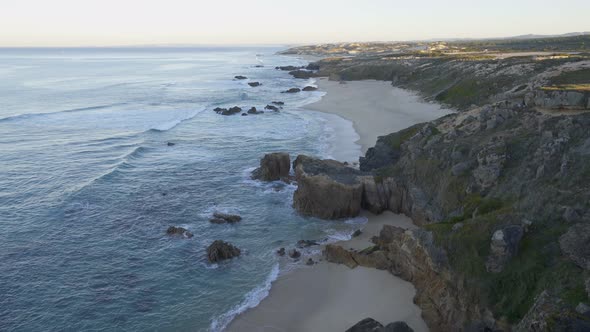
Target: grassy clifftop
<point>466,74</point>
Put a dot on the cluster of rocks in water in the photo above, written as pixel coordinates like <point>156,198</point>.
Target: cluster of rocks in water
<point>252,111</point>
<point>275,106</point>
<point>218,250</point>
<point>296,90</point>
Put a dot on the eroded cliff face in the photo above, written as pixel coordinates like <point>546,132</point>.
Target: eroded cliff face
<point>413,256</point>
<point>326,189</point>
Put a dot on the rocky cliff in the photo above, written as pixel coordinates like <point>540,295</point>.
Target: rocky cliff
<point>465,81</point>
<point>503,195</point>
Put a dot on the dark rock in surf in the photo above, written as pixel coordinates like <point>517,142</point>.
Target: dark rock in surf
<point>254,84</point>
<point>222,218</point>
<point>306,243</point>
<point>171,144</point>
<point>173,230</point>
<point>273,167</point>
<point>253,110</point>
<point>288,68</point>
<point>281,252</point>
<point>220,250</point>
<point>292,90</point>
<point>240,77</point>
<point>294,253</point>
<point>271,107</point>
<point>310,88</point>
<point>279,103</point>
<point>225,111</point>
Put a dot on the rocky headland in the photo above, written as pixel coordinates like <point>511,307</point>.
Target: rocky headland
<point>500,189</point>
<point>502,196</point>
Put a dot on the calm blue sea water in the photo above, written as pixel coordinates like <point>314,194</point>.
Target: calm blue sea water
<point>88,185</point>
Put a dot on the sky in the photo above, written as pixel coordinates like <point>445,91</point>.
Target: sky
<point>160,22</point>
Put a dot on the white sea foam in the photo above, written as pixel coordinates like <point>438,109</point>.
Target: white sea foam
<point>183,116</point>
<point>339,138</point>
<point>251,300</point>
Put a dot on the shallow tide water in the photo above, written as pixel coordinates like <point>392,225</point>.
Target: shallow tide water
<point>89,185</point>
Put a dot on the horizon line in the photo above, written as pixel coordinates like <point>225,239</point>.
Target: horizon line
<point>186,45</point>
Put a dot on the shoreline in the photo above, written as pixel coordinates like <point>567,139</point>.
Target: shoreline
<point>332,297</point>
<point>375,108</point>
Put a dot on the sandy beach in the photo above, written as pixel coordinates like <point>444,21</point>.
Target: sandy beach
<point>375,107</point>
<point>330,297</point>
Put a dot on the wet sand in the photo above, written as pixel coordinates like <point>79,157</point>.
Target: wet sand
<point>375,107</point>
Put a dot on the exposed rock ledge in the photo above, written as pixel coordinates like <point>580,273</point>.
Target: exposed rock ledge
<point>329,189</point>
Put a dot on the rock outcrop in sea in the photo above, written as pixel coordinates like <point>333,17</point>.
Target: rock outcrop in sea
<point>225,218</point>
<point>220,250</point>
<point>273,167</point>
<point>173,230</point>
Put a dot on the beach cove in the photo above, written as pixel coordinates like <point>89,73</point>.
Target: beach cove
<point>331,297</point>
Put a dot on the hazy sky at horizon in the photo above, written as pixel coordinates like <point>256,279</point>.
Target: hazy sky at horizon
<point>129,22</point>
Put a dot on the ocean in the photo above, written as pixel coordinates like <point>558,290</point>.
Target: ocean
<point>89,185</point>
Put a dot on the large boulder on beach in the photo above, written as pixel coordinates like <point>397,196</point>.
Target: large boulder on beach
<point>273,167</point>
<point>220,250</point>
<point>327,189</point>
<point>336,254</point>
